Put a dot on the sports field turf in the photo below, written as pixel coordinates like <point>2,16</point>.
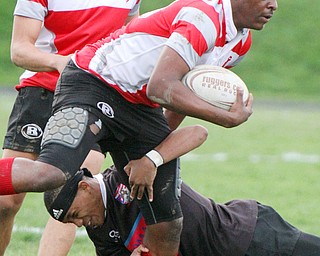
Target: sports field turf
<point>273,158</point>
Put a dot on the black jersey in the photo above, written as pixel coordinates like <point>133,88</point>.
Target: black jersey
<point>208,229</point>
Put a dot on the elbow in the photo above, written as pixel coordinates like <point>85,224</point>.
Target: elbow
<point>156,94</point>
<point>201,132</point>
<point>15,57</point>
<point>19,52</point>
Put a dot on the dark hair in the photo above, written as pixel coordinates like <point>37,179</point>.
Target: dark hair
<point>58,201</point>
<point>50,196</point>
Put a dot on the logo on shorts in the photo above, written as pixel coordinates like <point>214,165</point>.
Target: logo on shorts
<point>31,131</point>
<point>106,109</point>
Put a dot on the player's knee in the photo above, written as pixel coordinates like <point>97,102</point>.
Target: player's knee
<point>175,228</point>
<point>164,238</point>
<point>10,205</point>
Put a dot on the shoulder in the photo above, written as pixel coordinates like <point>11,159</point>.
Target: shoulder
<point>32,9</point>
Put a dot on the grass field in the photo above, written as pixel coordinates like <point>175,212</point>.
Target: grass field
<point>273,158</point>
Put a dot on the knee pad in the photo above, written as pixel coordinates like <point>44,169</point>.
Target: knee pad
<point>66,127</point>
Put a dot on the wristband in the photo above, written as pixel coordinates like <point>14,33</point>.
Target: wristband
<point>155,157</point>
<point>6,187</point>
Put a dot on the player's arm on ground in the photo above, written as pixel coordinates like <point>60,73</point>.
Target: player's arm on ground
<point>24,52</point>
<point>142,172</point>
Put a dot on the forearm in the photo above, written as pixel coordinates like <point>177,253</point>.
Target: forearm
<point>142,172</point>
<point>165,87</point>
<point>181,141</point>
<point>177,98</point>
<point>25,54</point>
<point>30,58</point>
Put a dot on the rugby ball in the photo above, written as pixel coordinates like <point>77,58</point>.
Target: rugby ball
<point>216,85</point>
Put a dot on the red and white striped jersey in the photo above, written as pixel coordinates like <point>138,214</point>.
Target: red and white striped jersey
<point>201,31</point>
<point>68,25</point>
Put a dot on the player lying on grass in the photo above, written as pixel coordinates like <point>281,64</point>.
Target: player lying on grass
<point>111,92</point>
<point>116,226</point>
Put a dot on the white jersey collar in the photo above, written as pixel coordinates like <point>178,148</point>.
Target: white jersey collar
<point>99,178</point>
<point>230,27</point>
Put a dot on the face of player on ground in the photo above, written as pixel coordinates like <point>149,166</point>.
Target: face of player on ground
<point>253,14</point>
<point>87,208</point>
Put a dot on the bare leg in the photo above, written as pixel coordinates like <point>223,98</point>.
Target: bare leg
<point>57,237</point>
<point>25,175</point>
<point>10,205</point>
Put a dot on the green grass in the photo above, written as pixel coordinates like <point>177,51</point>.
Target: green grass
<point>244,162</point>
<point>282,62</point>
<point>249,161</point>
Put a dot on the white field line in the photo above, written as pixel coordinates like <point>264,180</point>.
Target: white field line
<point>39,231</point>
<point>288,157</point>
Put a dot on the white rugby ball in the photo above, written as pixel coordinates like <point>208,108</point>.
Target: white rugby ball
<point>216,85</point>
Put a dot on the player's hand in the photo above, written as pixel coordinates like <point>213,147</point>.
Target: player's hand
<point>140,250</point>
<point>241,111</point>
<point>142,173</point>
<point>61,62</point>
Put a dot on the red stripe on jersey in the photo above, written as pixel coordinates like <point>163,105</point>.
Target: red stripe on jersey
<point>240,49</point>
<point>183,17</point>
<point>243,46</point>
<point>46,80</point>
<point>73,30</point>
<point>136,235</point>
<point>96,23</point>
<point>139,97</point>
<point>193,35</point>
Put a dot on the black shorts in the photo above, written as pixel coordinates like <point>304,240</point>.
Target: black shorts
<point>128,131</point>
<point>30,113</point>
<point>272,235</point>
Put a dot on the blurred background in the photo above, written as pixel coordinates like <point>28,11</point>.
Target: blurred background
<point>274,157</point>
<point>283,62</point>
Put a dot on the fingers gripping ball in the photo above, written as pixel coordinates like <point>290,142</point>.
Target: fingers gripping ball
<point>66,127</point>
<point>216,85</point>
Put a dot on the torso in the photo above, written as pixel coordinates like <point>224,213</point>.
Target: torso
<point>126,59</point>
<point>217,229</point>
<point>70,25</point>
